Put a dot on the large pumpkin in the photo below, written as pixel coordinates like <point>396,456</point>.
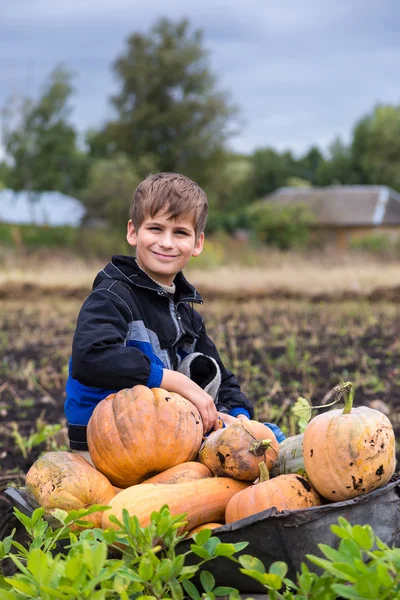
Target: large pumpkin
<point>67,481</point>
<point>349,452</point>
<point>188,471</point>
<point>285,492</point>
<point>203,500</point>
<point>139,432</point>
<point>237,450</point>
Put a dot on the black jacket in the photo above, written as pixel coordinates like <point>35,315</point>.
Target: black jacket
<point>128,330</point>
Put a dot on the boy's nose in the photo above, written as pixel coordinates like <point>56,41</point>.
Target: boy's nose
<point>167,240</point>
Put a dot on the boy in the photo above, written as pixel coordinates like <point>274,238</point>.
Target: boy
<point>138,326</point>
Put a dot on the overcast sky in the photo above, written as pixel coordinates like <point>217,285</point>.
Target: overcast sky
<point>301,71</point>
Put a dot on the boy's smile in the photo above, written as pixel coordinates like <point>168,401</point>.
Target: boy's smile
<point>164,245</point>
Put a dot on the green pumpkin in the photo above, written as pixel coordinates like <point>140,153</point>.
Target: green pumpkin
<point>290,457</point>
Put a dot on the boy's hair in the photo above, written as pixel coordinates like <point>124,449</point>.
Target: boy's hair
<point>172,193</point>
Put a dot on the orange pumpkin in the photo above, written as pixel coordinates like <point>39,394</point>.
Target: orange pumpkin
<point>188,471</point>
<point>349,452</point>
<point>211,526</point>
<point>285,492</point>
<point>67,481</point>
<point>204,500</point>
<point>139,432</point>
<point>237,450</point>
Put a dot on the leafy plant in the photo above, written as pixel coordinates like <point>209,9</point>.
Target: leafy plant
<point>45,432</point>
<point>355,571</point>
<point>144,563</point>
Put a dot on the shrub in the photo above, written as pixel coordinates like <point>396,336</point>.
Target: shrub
<point>282,226</point>
<point>373,243</point>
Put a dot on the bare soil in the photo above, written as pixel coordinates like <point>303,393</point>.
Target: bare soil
<point>280,349</point>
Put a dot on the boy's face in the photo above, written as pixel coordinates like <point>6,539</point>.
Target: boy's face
<point>164,246</point>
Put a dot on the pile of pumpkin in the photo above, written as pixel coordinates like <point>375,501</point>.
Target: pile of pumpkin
<point>148,449</point>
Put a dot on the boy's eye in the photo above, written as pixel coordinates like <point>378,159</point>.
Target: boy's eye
<point>154,228</point>
<point>180,232</point>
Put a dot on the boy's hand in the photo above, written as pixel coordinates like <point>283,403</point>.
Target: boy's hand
<point>177,382</point>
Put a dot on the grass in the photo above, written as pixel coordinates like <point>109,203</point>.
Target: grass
<point>240,270</point>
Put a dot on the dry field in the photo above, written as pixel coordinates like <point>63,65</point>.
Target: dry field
<point>295,327</point>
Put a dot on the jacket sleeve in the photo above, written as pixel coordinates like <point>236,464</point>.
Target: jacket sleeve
<point>100,354</point>
<point>230,397</point>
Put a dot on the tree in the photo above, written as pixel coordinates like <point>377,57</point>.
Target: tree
<point>339,168</point>
<point>271,171</point>
<point>168,106</point>
<point>40,143</point>
<point>111,184</point>
<point>376,146</point>
<point>308,165</point>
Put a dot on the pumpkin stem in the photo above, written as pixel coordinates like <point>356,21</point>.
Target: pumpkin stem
<point>348,403</point>
<point>259,447</point>
<point>264,473</point>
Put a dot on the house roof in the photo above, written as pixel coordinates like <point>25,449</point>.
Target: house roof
<point>44,208</point>
<point>347,205</point>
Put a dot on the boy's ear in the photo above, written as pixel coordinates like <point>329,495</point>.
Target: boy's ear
<point>198,245</point>
<point>131,236</point>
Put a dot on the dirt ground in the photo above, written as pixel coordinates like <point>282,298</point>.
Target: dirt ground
<point>278,348</point>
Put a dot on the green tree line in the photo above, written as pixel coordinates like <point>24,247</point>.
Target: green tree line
<point>169,114</point>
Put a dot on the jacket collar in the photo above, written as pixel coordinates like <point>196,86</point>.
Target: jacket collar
<point>125,268</point>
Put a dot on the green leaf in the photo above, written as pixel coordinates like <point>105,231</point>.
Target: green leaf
<point>28,590</point>
<point>191,589</point>
<point>224,591</point>
<point>302,409</point>
<point>251,563</point>
<point>38,563</point>
<point>368,586</point>
<point>60,515</point>
<point>211,544</point>
<point>207,581</point>
<point>6,595</point>
<point>5,545</point>
<point>225,550</point>
<point>177,565</point>
<point>279,568</point>
<point>330,553</point>
<point>254,575</point>
<point>343,591</point>
<point>164,570</point>
<point>383,574</point>
<point>73,567</point>
<point>176,589</point>
<point>202,537</point>
<point>200,551</point>
<point>240,546</point>
<point>364,536</point>
<point>146,569</point>
<point>272,580</point>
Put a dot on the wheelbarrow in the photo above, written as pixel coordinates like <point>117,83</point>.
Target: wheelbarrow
<point>286,536</point>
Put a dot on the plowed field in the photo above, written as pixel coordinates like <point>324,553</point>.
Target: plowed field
<point>279,349</point>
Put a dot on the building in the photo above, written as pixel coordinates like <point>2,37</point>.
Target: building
<point>344,213</point>
<point>44,208</point>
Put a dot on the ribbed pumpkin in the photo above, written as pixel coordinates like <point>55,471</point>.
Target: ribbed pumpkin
<point>204,526</point>
<point>285,492</point>
<point>237,450</point>
<point>189,471</point>
<point>349,452</point>
<point>290,457</point>
<point>204,500</point>
<point>67,481</point>
<point>139,432</point>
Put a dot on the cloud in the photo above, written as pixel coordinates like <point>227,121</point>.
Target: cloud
<point>302,71</point>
